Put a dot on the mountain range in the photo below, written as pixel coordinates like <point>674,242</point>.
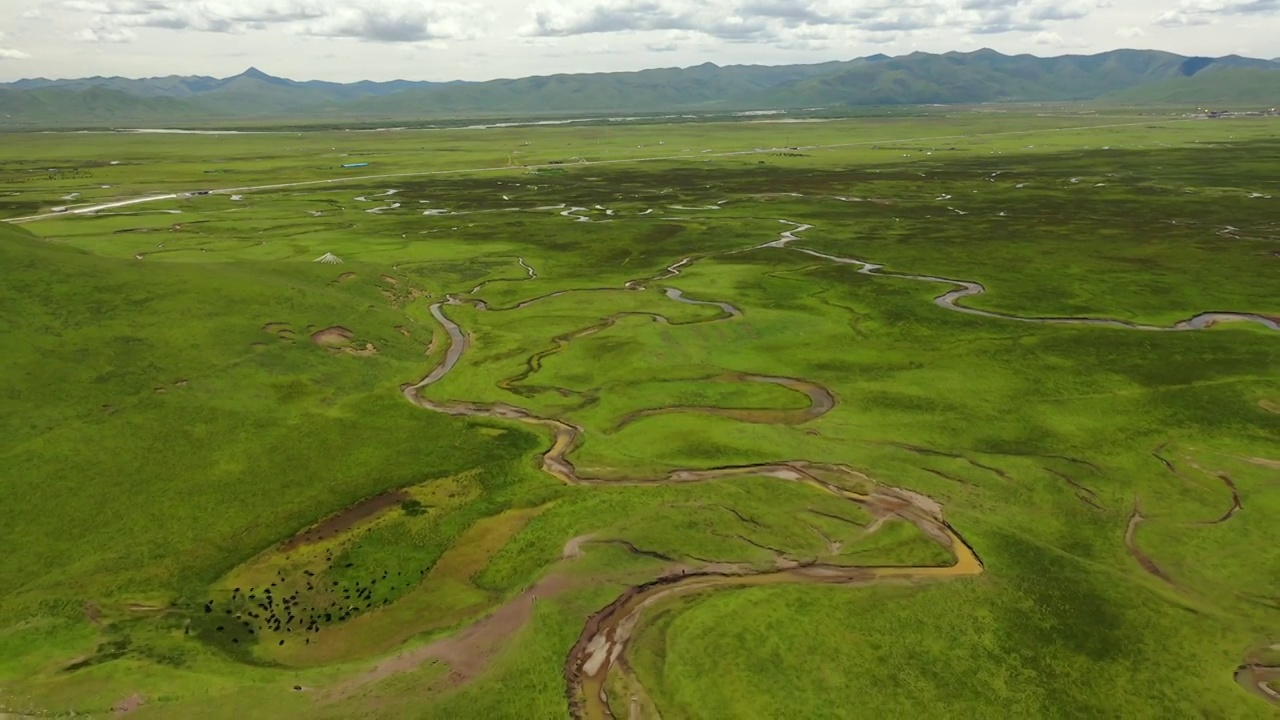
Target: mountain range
<point>983,76</point>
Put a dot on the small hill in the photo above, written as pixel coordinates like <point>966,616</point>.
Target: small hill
<point>91,106</point>
<point>988,76</point>
<point>705,86</point>
<point>1237,87</point>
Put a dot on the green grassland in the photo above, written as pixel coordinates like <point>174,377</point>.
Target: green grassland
<point>173,416</point>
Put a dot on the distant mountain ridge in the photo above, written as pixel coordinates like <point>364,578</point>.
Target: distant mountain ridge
<point>918,78</point>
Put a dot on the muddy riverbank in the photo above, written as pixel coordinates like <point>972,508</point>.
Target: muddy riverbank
<point>598,660</point>
<point>600,653</point>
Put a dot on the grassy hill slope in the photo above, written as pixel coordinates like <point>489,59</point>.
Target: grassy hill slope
<point>230,438</point>
<point>59,106</point>
<point>1217,87</point>
<point>918,78</point>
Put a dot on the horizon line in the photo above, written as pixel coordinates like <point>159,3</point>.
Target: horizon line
<point>254,67</point>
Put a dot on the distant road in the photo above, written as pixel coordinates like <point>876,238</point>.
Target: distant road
<point>89,209</point>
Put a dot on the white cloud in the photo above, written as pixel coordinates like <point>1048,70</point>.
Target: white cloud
<point>106,34</point>
<point>792,22</point>
<point>1178,18</point>
<point>429,39</point>
<point>11,54</point>
<point>1203,12</point>
<point>1058,42</point>
<point>387,21</point>
<point>398,22</point>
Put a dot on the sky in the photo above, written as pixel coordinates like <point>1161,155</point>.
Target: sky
<point>347,40</point>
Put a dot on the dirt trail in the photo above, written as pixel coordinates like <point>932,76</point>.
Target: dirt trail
<point>468,651</point>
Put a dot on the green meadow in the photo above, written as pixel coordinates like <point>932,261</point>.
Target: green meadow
<point>218,502</point>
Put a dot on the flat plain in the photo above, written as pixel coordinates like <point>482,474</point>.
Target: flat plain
<point>971,414</point>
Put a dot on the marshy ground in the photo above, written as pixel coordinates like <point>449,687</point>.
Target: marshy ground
<point>977,425</point>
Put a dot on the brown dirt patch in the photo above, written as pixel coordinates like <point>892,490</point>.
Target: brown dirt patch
<point>347,519</point>
<point>93,613</point>
<point>369,350</point>
<point>1236,505</point>
<point>468,652</point>
<point>1130,542</point>
<point>144,608</point>
<point>129,704</point>
<point>389,280</point>
<point>275,327</point>
<point>403,330</point>
<point>573,548</point>
<point>446,598</point>
<point>1270,406</point>
<point>334,337</point>
<point>346,277</point>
